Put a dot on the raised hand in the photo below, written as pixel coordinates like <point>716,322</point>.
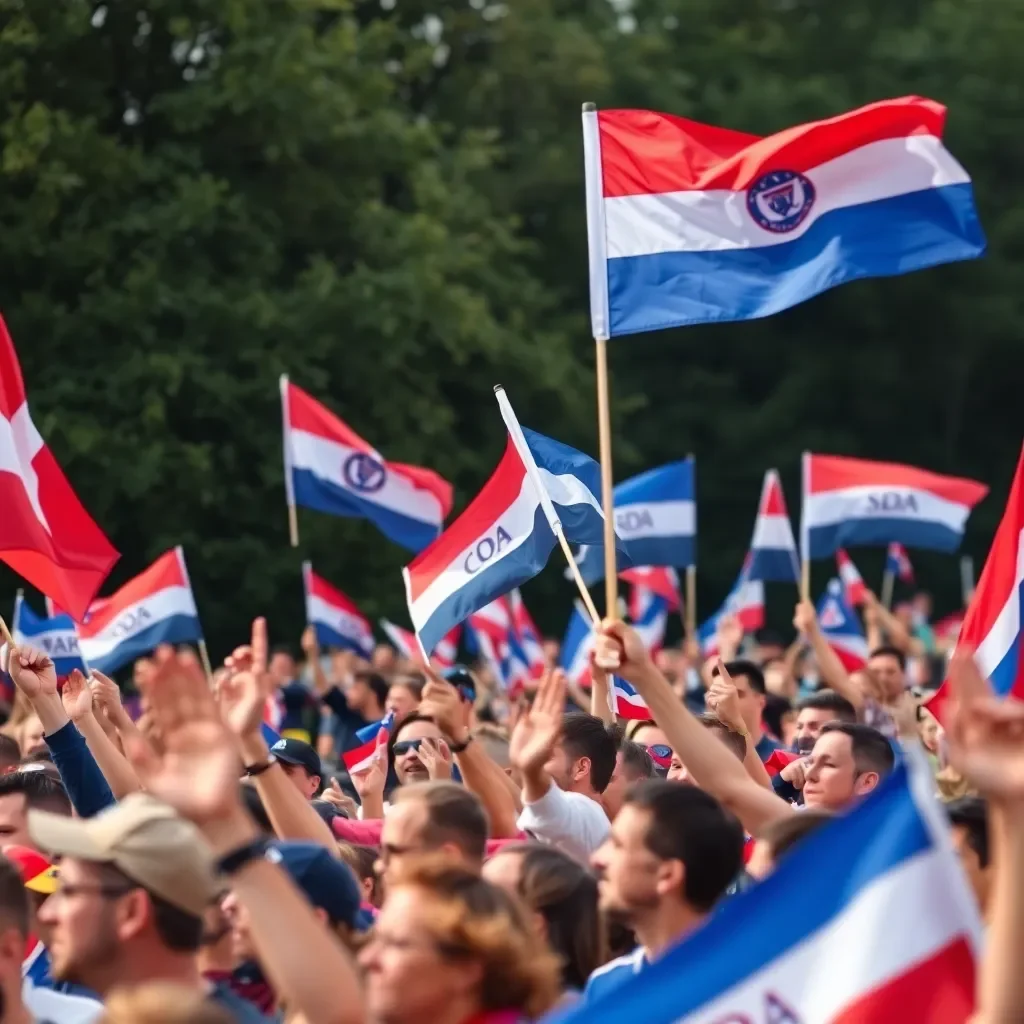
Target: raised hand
<point>335,795</point>
<point>536,733</point>
<point>723,700</point>
<point>441,702</point>
<point>985,734</point>
<point>106,695</point>
<point>369,781</point>
<point>197,770</point>
<point>621,646</point>
<point>730,633</point>
<point>795,773</point>
<point>310,644</point>
<point>32,672</point>
<point>243,692</point>
<point>805,618</point>
<point>436,758</point>
<point>76,697</point>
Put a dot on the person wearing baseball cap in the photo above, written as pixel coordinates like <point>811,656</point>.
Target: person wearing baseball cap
<point>301,763</point>
<point>135,881</point>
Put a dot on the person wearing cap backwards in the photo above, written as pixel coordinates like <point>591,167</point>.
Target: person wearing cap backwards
<point>135,882</point>
<point>301,763</point>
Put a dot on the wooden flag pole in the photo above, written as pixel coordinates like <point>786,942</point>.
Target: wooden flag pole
<point>289,482</point>
<point>5,633</point>
<point>604,435</point>
<point>805,580</point>
<point>293,526</point>
<point>888,580</point>
<point>588,601</point>
<point>204,657</point>
<point>691,601</point>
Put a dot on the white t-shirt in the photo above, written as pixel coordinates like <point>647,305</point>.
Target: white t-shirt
<point>59,1007</point>
<point>574,823</point>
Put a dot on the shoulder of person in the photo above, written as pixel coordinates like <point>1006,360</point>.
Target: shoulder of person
<point>59,1007</point>
<point>615,971</point>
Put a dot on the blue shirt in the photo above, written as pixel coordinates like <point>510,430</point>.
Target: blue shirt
<point>766,745</point>
<point>614,973</point>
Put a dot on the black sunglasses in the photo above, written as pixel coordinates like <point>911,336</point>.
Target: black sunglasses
<point>404,746</point>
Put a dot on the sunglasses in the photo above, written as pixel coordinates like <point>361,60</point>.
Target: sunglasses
<point>661,754</point>
<point>405,746</point>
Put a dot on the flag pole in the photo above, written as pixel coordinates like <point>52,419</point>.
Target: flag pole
<point>805,540</point>
<point>289,483</point>
<point>515,432</point>
<point>204,657</point>
<point>888,581</point>
<point>604,435</point>
<point>691,601</point>
<point>597,248</point>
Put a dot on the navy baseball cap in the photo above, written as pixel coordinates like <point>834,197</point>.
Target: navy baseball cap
<point>290,751</point>
<point>326,882</point>
<point>459,676</point>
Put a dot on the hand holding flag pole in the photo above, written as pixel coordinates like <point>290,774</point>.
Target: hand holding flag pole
<point>516,433</point>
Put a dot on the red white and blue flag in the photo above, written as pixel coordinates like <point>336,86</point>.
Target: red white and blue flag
<point>773,548</point>
<point>897,563</point>
<point>497,630</point>
<point>745,601</point>
<point>504,537</point>
<point>648,611</point>
<point>55,635</point>
<point>577,643</point>
<point>841,628</point>
<point>658,579</point>
<point>853,582</point>
<point>156,607</point>
<point>371,738</point>
<point>528,634</point>
<point>855,501</point>
<point>994,620</point>
<point>46,536</point>
<point>330,468</point>
<point>690,224</point>
<point>334,616</point>
<point>882,880</point>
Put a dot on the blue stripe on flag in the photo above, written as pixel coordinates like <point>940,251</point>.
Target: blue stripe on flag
<point>879,239</point>
<point>824,540</point>
<point>178,629</point>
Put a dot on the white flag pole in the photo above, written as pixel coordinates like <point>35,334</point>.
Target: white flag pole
<point>516,433</point>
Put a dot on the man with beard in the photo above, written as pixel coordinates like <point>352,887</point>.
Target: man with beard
<point>672,853</point>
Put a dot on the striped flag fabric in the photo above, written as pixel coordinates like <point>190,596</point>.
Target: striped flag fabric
<point>853,582</point>
<point>879,920</point>
<point>841,628</point>
<point>897,563</point>
<point>773,554</point>
<point>371,738</point>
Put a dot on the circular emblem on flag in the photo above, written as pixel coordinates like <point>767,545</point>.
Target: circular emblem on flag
<point>780,200</point>
<point>364,473</point>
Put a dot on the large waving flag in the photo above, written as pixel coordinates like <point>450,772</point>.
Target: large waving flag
<point>690,224</point>
<point>773,554</point>
<point>46,536</point>
<point>841,628</point>
<point>334,615</point>
<point>155,607</point>
<point>897,563</point>
<point>994,620</point>
<point>854,501</point>
<point>330,468</point>
<point>886,923</point>
<point>656,519</point>
<point>55,636</point>
<point>504,536</point>
<point>853,582</point>
<point>745,601</point>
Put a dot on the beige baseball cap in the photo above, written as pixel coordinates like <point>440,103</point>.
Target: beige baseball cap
<point>142,837</point>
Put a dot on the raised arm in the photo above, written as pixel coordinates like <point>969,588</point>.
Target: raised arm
<point>805,619</point>
<point>718,770</point>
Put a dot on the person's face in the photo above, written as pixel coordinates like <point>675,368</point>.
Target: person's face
<point>238,917</point>
<point>401,701</point>
<point>677,771</point>
<point>383,660</point>
<point>401,834</point>
<point>503,870</point>
<point>32,736</point>
<point>14,821</point>
<point>751,704</point>
<point>631,879</point>
<point>832,781</point>
<point>407,975</point>
<point>281,668</point>
<point>82,923</point>
<point>887,674</point>
<point>408,766</point>
<point>305,783</point>
<point>808,724</point>
<point>929,730</point>
<point>979,878</point>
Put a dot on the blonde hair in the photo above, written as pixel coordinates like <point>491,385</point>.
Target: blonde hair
<point>472,919</point>
<point>162,1003</point>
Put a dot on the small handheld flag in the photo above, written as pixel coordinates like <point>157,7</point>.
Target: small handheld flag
<point>853,582</point>
<point>841,629</point>
<point>773,548</point>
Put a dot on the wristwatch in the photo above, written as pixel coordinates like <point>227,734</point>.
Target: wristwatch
<point>458,748</point>
<point>233,862</point>
<point>252,770</point>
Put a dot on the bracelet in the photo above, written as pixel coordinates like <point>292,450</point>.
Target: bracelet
<point>458,748</point>
<point>252,770</point>
<point>235,860</point>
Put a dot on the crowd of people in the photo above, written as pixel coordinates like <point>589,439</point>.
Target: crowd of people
<point>494,859</point>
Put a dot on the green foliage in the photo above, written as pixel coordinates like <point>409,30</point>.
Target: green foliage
<point>385,202</point>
